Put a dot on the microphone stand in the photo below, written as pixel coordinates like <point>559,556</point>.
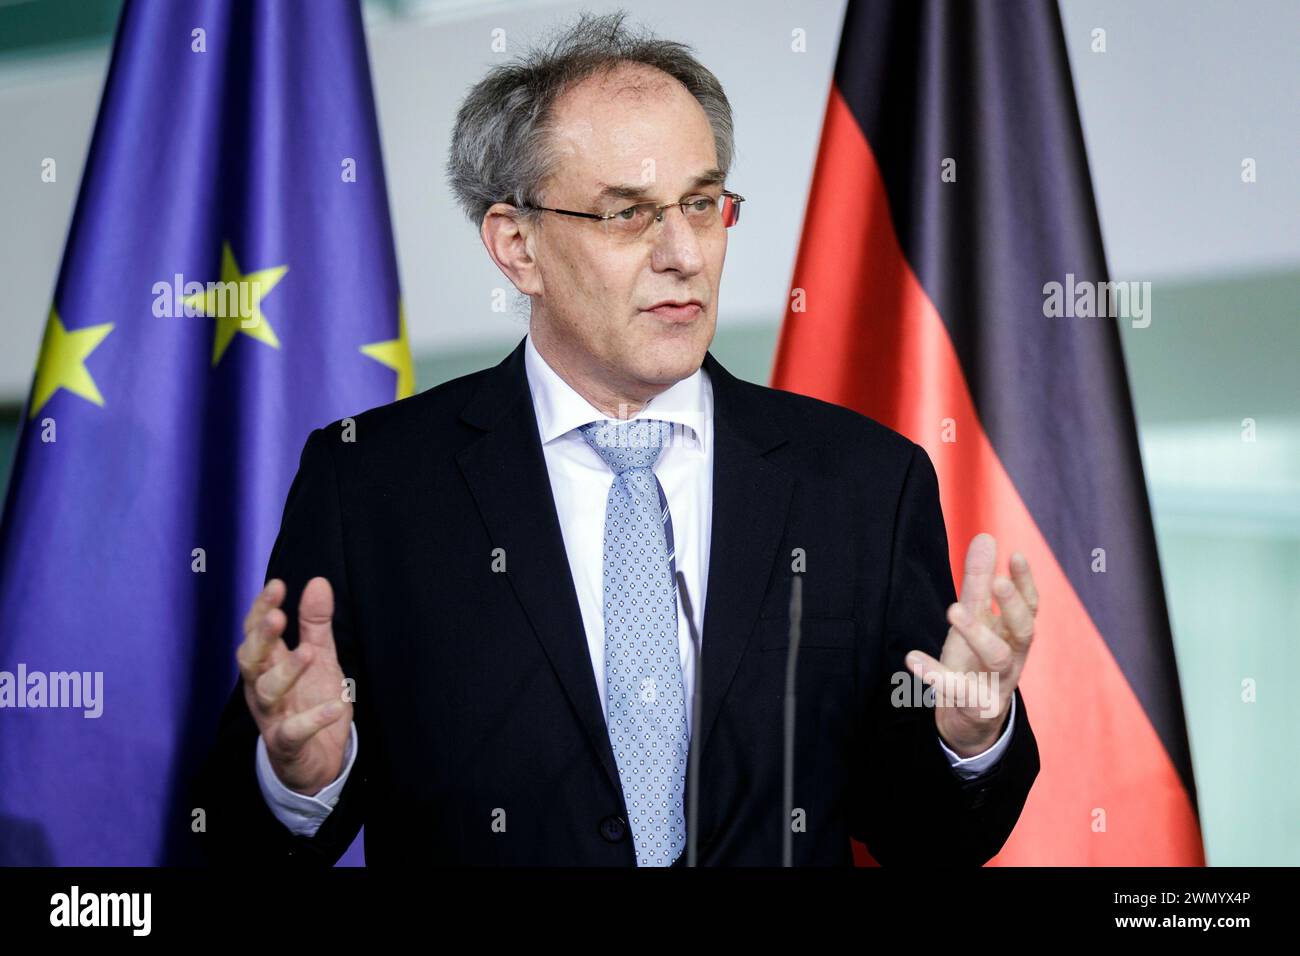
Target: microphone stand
<point>693,759</point>
<point>796,614</point>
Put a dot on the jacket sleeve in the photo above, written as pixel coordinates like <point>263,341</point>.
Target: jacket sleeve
<point>915,808</point>
<point>239,826</point>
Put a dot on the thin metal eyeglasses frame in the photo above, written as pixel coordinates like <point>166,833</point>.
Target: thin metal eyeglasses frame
<point>736,199</point>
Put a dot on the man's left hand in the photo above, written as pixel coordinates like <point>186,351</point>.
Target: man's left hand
<point>984,653</point>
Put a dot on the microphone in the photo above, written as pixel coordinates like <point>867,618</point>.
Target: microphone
<point>693,758</point>
<point>791,661</point>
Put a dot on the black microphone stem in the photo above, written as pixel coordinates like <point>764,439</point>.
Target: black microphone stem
<point>693,760</point>
<point>796,614</point>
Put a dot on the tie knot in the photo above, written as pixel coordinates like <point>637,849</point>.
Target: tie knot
<point>628,444</point>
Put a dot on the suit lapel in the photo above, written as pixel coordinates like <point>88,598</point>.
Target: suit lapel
<point>506,473</point>
<point>751,498</point>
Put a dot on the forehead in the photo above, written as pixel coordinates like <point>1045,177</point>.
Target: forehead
<point>632,125</point>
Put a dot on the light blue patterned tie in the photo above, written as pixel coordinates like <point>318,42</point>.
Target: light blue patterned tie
<point>644,693</point>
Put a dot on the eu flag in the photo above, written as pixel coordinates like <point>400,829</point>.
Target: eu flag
<point>229,283</point>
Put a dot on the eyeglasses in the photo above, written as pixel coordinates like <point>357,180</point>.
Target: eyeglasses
<point>629,223</point>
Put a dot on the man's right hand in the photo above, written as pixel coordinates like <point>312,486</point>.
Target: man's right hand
<point>296,697</point>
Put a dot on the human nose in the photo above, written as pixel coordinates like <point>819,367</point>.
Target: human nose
<point>676,243</point>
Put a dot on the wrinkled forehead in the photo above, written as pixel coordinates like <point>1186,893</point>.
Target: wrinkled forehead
<point>630,130</point>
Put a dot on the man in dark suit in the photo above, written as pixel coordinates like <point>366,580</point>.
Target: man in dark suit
<point>472,638</point>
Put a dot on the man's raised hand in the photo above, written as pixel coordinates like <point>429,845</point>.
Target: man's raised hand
<point>296,697</point>
<point>984,653</point>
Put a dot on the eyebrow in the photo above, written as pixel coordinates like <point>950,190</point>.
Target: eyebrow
<point>710,177</point>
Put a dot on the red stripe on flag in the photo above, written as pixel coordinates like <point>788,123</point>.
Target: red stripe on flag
<point>870,339</point>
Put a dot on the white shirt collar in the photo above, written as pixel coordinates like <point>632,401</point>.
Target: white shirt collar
<point>560,409</point>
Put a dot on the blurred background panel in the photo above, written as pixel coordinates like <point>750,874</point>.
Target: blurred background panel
<point>1185,92</point>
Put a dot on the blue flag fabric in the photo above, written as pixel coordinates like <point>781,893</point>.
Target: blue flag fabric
<point>236,143</point>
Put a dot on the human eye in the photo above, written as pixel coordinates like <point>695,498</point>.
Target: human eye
<point>634,212</point>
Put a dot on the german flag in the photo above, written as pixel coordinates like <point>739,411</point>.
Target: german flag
<point>951,190</point>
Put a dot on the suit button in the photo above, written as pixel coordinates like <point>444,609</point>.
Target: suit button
<point>613,829</point>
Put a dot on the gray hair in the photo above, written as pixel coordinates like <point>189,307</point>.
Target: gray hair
<point>501,147</point>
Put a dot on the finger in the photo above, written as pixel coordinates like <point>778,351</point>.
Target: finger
<point>275,683</point>
<point>270,596</point>
<point>994,653</point>
<point>294,731</point>
<point>1016,615</point>
<point>920,663</point>
<point>1024,580</point>
<point>316,613</point>
<point>263,646</point>
<point>938,675</point>
<point>977,575</point>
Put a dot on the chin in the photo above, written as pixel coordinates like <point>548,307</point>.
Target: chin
<point>665,366</point>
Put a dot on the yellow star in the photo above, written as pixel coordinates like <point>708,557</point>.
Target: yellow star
<point>62,362</point>
<point>236,303</point>
<point>396,354</point>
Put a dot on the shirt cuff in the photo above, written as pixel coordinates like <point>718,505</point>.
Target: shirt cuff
<point>975,765</point>
<point>302,814</point>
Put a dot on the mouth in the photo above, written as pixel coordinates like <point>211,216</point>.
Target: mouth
<point>675,311</point>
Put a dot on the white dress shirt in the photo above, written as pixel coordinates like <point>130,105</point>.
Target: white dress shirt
<point>580,482</point>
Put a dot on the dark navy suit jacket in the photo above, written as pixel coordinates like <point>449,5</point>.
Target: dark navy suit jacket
<point>475,697</point>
